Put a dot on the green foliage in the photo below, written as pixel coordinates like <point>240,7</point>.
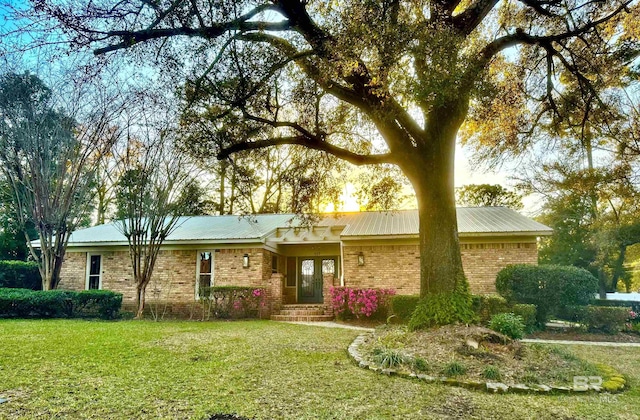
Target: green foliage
<point>633,304</point>
<point>485,306</point>
<point>528,313</point>
<point>492,373</point>
<point>103,304</point>
<point>24,303</point>
<point>454,368</point>
<point>508,324</point>
<point>420,365</point>
<point>231,301</point>
<point>479,195</point>
<point>20,274</point>
<point>387,358</point>
<point>403,306</point>
<point>572,240</point>
<point>608,319</point>
<point>549,287</point>
<point>442,309</point>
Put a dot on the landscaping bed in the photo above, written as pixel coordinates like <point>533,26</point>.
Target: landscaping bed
<point>474,353</point>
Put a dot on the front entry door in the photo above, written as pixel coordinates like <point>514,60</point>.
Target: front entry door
<point>311,271</point>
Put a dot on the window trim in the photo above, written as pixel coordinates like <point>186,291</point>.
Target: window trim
<point>88,270</point>
<point>198,260</point>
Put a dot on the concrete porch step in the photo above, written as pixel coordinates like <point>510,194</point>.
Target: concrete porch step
<point>302,318</point>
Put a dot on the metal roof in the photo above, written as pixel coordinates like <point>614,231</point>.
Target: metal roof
<point>472,221</point>
<point>194,229</point>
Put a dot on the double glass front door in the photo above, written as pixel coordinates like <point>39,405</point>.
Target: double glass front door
<point>311,272</point>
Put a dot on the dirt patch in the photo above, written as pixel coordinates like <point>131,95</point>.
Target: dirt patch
<point>474,353</point>
<point>583,336</point>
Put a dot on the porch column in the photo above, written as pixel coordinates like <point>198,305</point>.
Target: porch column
<point>328,280</point>
<point>275,286</point>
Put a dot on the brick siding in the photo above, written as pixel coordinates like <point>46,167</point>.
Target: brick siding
<point>398,266</point>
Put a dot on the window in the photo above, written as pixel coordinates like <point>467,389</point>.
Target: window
<point>94,272</point>
<point>328,267</point>
<point>274,263</point>
<point>204,272</point>
<point>291,272</point>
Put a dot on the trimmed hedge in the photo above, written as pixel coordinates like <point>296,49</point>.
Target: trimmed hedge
<point>25,303</point>
<point>20,275</point>
<point>528,313</point>
<point>608,319</point>
<point>486,306</point>
<point>549,287</point>
<point>633,304</point>
<point>403,306</point>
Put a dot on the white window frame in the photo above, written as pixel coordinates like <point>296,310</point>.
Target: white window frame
<point>198,260</point>
<point>88,270</point>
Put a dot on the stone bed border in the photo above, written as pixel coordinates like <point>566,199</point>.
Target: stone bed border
<point>614,381</point>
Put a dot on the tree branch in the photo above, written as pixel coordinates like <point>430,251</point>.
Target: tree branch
<point>313,142</point>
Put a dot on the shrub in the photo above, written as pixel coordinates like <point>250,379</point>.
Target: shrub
<point>443,309</point>
<point>348,302</point>
<point>549,287</point>
<point>486,306</point>
<point>492,373</point>
<point>454,369</point>
<point>527,312</point>
<point>633,304</point>
<point>232,301</point>
<point>403,306</point>
<point>608,319</point>
<point>508,324</point>
<point>24,303</point>
<point>97,303</point>
<point>20,274</point>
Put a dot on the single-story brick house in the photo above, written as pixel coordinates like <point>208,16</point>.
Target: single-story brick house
<point>298,264</point>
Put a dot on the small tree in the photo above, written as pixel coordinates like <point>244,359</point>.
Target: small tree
<point>48,159</point>
<point>150,199</point>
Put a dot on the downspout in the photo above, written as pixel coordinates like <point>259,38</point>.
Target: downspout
<point>341,265</point>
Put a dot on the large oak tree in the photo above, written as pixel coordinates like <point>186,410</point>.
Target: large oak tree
<point>397,79</point>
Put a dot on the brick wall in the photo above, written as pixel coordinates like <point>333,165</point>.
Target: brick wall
<point>398,266</point>
<point>174,275</point>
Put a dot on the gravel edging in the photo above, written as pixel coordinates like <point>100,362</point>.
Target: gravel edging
<point>613,382</point>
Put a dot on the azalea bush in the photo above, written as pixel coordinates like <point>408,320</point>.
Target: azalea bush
<point>348,302</point>
<point>232,301</point>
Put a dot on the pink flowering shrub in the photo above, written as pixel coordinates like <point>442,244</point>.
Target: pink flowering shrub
<point>232,302</point>
<point>348,302</point>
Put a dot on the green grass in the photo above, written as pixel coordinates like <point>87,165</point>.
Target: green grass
<point>134,369</point>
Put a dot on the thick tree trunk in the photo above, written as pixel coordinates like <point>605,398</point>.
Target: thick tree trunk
<point>432,175</point>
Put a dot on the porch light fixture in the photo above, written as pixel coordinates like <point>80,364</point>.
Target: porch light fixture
<point>361,259</point>
<point>245,261</point>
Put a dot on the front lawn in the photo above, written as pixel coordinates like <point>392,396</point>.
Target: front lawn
<point>261,369</point>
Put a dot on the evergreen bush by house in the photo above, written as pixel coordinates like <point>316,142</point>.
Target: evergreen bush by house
<point>20,275</point>
<point>25,303</point>
<point>549,287</point>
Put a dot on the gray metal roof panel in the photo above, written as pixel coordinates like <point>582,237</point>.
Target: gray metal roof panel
<point>471,221</point>
<point>215,228</point>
